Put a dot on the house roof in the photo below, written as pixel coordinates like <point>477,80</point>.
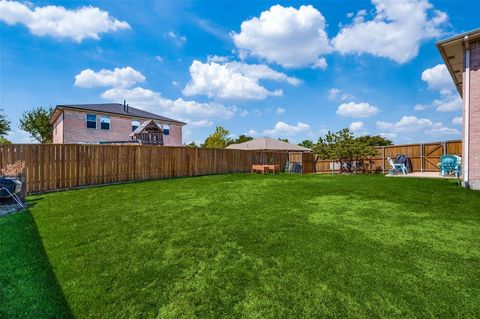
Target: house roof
<point>112,108</point>
<point>451,50</point>
<point>143,126</point>
<point>267,143</point>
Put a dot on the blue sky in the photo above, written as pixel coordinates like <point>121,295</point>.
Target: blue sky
<point>283,69</point>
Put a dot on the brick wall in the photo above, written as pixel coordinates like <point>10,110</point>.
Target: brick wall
<point>75,129</point>
<point>58,130</point>
<point>474,151</point>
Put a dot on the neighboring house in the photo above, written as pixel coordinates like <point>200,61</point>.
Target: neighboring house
<point>113,122</point>
<point>268,144</point>
<point>461,54</point>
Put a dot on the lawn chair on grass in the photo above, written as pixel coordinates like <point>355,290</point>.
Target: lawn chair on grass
<point>450,164</point>
<point>397,168</point>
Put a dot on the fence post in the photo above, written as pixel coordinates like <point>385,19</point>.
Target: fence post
<point>383,159</point>
<point>421,157</point>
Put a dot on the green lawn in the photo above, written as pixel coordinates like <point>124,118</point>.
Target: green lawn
<point>250,246</point>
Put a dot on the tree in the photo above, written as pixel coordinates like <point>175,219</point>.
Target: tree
<point>191,144</point>
<point>4,141</point>
<point>4,124</point>
<point>283,140</point>
<point>374,140</point>
<point>306,143</point>
<point>218,139</point>
<point>36,122</point>
<point>241,139</point>
<point>343,148</point>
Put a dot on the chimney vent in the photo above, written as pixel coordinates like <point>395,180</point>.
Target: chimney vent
<point>127,108</point>
<point>124,105</point>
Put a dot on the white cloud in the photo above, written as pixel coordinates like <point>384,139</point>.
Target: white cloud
<point>252,133</point>
<point>409,124</point>
<point>153,102</point>
<point>356,126</point>
<point>280,110</point>
<point>233,80</point>
<point>175,83</point>
<point>199,123</point>
<point>217,59</point>
<point>332,93</point>
<point>283,129</point>
<point>458,120</point>
<point>406,124</point>
<point>448,102</point>
<point>58,22</point>
<point>438,78</point>
<point>442,131</point>
<point>395,32</point>
<point>421,107</point>
<point>353,109</point>
<point>178,40</point>
<point>286,36</point>
<point>119,77</point>
<point>389,135</point>
<point>159,58</point>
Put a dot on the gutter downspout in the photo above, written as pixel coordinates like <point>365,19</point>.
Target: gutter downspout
<point>466,100</point>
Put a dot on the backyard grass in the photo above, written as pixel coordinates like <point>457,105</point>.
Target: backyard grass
<point>246,246</point>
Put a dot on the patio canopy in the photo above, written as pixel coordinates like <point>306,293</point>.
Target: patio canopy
<point>268,144</point>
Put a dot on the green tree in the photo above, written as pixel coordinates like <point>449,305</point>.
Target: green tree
<point>36,122</point>
<point>284,140</point>
<point>191,144</point>
<point>218,139</point>
<point>4,141</point>
<point>343,148</point>
<point>241,139</point>
<point>374,140</point>
<point>4,124</point>
<point>306,143</point>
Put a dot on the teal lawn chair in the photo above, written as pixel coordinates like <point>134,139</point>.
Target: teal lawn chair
<point>397,168</point>
<point>450,164</point>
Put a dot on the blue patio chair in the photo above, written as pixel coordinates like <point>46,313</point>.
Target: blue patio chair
<point>450,164</point>
<point>397,168</point>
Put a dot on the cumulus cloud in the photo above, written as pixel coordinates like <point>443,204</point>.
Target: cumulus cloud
<point>118,77</point>
<point>438,78</point>
<point>280,110</point>
<point>409,124</point>
<point>458,120</point>
<point>233,80</point>
<point>153,101</point>
<point>356,126</point>
<point>406,124</point>
<point>353,109</point>
<point>283,129</point>
<point>287,36</point>
<point>58,22</point>
<point>395,31</point>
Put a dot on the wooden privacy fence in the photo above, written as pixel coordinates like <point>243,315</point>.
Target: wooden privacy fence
<point>61,166</point>
<point>425,157</point>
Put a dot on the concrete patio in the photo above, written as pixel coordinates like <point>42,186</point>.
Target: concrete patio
<point>423,175</point>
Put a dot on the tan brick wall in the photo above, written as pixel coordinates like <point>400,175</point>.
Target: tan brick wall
<point>474,163</point>
<point>76,131</point>
<point>58,130</point>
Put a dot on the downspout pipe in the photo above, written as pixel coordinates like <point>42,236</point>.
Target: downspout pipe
<point>466,101</point>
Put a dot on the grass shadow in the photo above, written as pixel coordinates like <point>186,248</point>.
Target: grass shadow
<point>28,286</point>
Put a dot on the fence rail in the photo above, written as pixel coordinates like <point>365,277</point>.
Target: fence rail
<point>425,157</point>
<point>62,166</point>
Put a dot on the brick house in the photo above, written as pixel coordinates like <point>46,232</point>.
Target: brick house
<point>113,122</point>
<point>461,54</point>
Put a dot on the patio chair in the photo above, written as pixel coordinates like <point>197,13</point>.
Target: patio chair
<point>450,164</point>
<point>397,168</point>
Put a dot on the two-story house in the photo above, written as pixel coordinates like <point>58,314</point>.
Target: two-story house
<point>113,122</point>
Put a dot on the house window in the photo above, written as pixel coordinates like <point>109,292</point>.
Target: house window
<point>135,125</point>
<point>166,130</point>
<point>105,122</point>
<point>91,121</point>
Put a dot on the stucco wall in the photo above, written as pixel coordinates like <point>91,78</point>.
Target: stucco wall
<point>75,129</point>
<point>474,163</point>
